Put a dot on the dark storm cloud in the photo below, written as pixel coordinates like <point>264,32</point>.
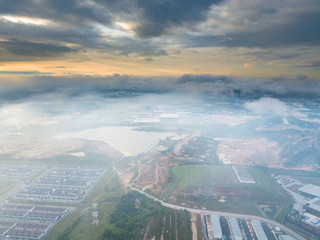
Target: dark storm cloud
<point>279,36</point>
<point>153,17</point>
<point>33,49</point>
<point>126,46</point>
<point>85,36</point>
<point>159,15</point>
<point>262,24</point>
<point>188,24</point>
<point>68,11</point>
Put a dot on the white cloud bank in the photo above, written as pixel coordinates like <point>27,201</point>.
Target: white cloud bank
<point>272,106</point>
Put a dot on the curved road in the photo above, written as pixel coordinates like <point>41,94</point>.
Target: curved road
<point>209,212</point>
<point>225,214</point>
<point>18,185</point>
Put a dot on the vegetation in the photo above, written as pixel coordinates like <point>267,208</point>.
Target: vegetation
<point>199,227</point>
<point>173,178</point>
<point>79,224</point>
<point>283,212</point>
<point>137,216</point>
<point>216,187</point>
<point>206,175</point>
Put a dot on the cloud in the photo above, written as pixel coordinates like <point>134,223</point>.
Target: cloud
<point>158,16</point>
<point>23,114</point>
<point>69,11</point>
<point>128,46</point>
<point>85,36</point>
<point>124,86</point>
<point>240,86</point>
<point>163,27</point>
<point>151,17</point>
<point>311,64</point>
<point>82,38</point>
<point>260,24</point>
<point>25,72</point>
<point>33,49</point>
<point>272,106</point>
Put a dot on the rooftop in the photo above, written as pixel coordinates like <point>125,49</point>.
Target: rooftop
<point>311,220</point>
<point>314,204</point>
<point>311,189</point>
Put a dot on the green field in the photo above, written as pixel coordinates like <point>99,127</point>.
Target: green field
<point>206,175</point>
<point>216,187</point>
<point>138,216</point>
<point>78,224</point>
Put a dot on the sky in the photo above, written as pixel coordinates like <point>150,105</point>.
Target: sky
<point>159,38</point>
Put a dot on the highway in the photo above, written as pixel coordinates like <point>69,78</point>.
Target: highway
<point>225,214</point>
<point>18,185</point>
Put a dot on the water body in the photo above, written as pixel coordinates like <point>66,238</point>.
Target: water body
<point>128,141</point>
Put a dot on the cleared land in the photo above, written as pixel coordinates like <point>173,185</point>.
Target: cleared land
<point>217,187</point>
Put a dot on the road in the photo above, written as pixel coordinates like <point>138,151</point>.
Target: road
<point>209,212</point>
<point>225,214</point>
<point>18,185</point>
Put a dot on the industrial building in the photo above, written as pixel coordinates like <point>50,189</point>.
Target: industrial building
<point>28,221</point>
<point>243,174</point>
<point>235,229</point>
<point>261,235</point>
<point>313,206</point>
<point>310,191</point>
<point>285,237</point>
<point>216,227</point>
<point>68,185</point>
<point>311,222</point>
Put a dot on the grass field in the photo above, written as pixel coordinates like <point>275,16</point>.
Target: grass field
<point>217,187</point>
<point>78,224</point>
<point>206,175</point>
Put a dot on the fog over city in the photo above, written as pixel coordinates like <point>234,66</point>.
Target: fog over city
<point>159,120</point>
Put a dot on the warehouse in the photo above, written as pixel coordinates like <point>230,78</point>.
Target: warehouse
<point>313,206</point>
<point>235,229</point>
<point>261,235</point>
<point>216,228</point>
<point>243,174</point>
<point>310,190</point>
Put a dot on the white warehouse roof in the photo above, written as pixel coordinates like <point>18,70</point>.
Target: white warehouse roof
<point>235,228</point>
<point>311,190</point>
<point>216,228</point>
<point>261,235</point>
